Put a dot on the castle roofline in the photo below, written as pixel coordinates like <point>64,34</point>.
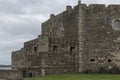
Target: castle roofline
<point>70,9</point>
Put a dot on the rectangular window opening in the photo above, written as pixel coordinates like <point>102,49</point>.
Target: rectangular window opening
<point>55,48</point>
<point>35,49</point>
<point>72,49</point>
<point>92,60</point>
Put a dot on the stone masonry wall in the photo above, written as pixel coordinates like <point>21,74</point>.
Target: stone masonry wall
<point>101,43</point>
<point>80,39</point>
<point>62,30</point>
<point>10,74</point>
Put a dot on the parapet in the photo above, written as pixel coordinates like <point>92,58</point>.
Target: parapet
<point>32,42</point>
<point>113,6</point>
<point>97,6</point>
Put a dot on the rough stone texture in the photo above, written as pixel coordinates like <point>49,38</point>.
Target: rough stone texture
<point>101,40</point>
<point>10,75</point>
<point>83,39</point>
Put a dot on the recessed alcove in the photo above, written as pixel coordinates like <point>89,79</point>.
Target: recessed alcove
<point>109,60</point>
<point>116,24</point>
<point>92,60</point>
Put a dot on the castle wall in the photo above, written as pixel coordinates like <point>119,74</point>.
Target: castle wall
<point>101,38</point>
<point>63,39</point>
<point>30,56</point>
<point>17,59</point>
<point>80,39</point>
<point>10,74</point>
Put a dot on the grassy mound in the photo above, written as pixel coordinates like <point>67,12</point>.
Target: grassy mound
<point>79,77</point>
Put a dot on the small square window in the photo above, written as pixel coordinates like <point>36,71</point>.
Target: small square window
<point>92,60</point>
<point>109,61</point>
<point>72,49</point>
<point>35,49</point>
<point>55,48</point>
<point>27,49</point>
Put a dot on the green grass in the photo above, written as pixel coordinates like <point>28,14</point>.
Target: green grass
<point>79,77</point>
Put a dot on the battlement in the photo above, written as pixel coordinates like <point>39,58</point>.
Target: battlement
<point>111,6</point>
<point>114,7</point>
<point>70,10</point>
<point>97,6</point>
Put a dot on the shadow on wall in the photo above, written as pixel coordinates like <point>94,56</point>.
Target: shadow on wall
<point>114,70</point>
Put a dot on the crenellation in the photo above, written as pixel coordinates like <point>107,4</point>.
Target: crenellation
<point>112,6</point>
<point>92,6</point>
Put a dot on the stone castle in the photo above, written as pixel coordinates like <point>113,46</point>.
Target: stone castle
<point>83,39</point>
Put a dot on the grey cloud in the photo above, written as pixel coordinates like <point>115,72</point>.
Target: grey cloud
<point>20,25</point>
<point>29,6</point>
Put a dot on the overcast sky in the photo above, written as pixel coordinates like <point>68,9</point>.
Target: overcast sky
<point>20,21</point>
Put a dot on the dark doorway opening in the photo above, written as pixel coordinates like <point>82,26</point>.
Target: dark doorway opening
<point>31,75</point>
<point>72,52</point>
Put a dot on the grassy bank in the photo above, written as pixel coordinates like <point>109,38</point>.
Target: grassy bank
<point>79,77</point>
